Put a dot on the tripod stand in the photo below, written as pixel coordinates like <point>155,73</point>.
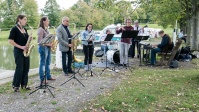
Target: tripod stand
<point>106,62</point>
<point>74,73</point>
<point>41,86</point>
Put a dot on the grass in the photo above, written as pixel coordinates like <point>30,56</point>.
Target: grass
<point>150,89</point>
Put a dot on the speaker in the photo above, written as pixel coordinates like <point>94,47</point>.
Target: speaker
<point>174,64</point>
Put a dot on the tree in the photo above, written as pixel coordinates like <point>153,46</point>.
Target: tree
<point>30,8</point>
<point>52,10</point>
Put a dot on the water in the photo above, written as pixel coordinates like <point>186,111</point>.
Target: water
<point>7,61</point>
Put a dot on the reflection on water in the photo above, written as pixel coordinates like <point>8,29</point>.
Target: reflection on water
<point>7,61</point>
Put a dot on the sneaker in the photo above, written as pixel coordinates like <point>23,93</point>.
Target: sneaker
<point>86,67</point>
<point>65,74</point>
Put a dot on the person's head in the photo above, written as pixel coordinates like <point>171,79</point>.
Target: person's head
<point>161,33</point>
<point>128,22</point>
<point>136,23</point>
<point>44,22</point>
<point>181,30</point>
<point>89,27</point>
<point>65,21</point>
<point>108,32</point>
<point>21,20</point>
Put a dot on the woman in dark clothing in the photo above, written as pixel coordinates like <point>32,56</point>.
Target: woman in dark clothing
<point>18,38</point>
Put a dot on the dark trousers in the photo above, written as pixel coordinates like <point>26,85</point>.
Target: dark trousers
<point>184,39</point>
<point>22,69</point>
<point>68,67</point>
<point>135,43</point>
<point>88,52</point>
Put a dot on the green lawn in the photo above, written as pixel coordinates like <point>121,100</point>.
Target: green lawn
<point>152,89</point>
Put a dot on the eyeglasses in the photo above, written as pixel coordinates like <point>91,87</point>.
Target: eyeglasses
<point>66,20</point>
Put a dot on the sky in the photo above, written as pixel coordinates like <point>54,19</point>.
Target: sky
<point>64,4</point>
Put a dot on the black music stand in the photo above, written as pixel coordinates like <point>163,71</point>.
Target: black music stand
<point>44,86</point>
<point>129,34</point>
<point>108,38</point>
<point>139,38</point>
<point>74,73</point>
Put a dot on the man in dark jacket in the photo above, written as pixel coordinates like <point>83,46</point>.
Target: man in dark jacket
<point>166,45</point>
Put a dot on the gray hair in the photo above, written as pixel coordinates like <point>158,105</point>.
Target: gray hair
<point>136,21</point>
<point>65,17</point>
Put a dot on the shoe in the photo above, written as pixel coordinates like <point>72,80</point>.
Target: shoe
<point>16,89</point>
<point>125,65</point>
<point>86,68</point>
<point>120,64</point>
<point>25,87</point>
<point>52,79</point>
<point>71,71</point>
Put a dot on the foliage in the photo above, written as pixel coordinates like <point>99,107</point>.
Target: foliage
<point>82,13</point>
<point>52,10</point>
<point>11,8</point>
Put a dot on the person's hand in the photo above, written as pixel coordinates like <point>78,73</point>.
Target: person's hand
<point>123,28</point>
<point>70,45</point>
<point>154,46</point>
<point>117,28</point>
<point>23,47</point>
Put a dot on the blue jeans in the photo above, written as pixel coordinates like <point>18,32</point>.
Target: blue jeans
<point>153,55</point>
<point>45,59</point>
<point>68,67</point>
<point>104,48</point>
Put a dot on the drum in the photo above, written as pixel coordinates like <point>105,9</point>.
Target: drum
<point>113,46</point>
<point>113,56</point>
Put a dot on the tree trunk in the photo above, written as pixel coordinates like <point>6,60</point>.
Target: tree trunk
<point>194,45</point>
<point>189,28</point>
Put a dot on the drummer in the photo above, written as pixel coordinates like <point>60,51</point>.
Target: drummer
<point>104,46</point>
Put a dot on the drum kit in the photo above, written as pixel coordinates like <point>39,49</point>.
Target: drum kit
<point>113,54</point>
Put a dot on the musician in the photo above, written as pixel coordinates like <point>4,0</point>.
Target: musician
<point>166,45</point>
<point>135,42</point>
<point>44,50</point>
<point>104,47</point>
<point>182,36</point>
<point>18,38</point>
<point>64,38</point>
<point>88,45</point>
<point>125,42</point>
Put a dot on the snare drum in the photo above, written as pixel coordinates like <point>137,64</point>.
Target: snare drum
<point>113,56</point>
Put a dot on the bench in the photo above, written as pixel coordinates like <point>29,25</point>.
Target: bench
<point>166,58</point>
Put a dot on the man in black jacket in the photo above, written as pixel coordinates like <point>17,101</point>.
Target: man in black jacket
<point>165,46</point>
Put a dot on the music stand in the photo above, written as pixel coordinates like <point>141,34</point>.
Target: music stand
<point>129,34</point>
<point>74,73</point>
<point>44,86</point>
<point>108,38</point>
<point>89,69</point>
<point>139,38</point>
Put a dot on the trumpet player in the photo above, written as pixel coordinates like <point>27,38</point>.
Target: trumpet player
<point>64,37</point>
<point>44,51</point>
<point>18,38</point>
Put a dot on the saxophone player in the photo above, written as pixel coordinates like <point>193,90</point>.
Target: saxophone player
<point>18,38</point>
<point>44,51</point>
<point>64,37</point>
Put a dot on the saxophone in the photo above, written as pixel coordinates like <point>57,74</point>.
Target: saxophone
<point>54,42</point>
<point>30,46</point>
<point>75,41</point>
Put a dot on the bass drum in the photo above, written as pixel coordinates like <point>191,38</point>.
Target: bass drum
<point>113,56</point>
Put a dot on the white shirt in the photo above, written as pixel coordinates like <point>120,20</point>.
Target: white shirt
<point>138,29</point>
<point>180,35</point>
<point>102,39</point>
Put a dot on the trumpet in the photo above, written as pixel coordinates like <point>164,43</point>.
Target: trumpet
<point>30,46</point>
